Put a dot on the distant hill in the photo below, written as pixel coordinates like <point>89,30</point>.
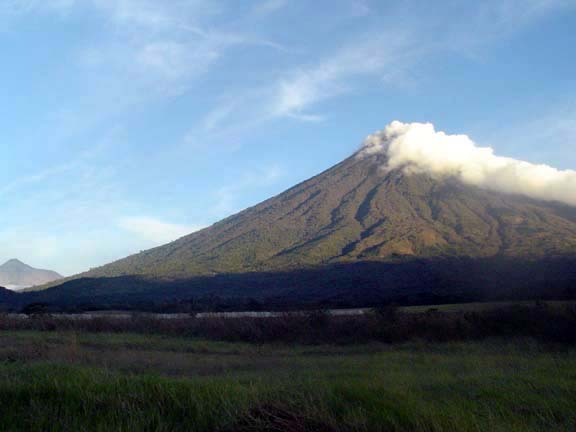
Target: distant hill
<point>14,274</point>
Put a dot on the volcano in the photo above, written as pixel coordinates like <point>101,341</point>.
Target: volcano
<point>14,274</point>
<point>357,212</point>
<point>356,234</point>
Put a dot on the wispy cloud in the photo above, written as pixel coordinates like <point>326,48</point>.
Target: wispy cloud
<point>213,119</point>
<point>151,15</point>
<point>492,21</point>
<point>156,49</point>
<point>19,7</point>
<point>361,8</point>
<point>147,50</point>
<point>80,163</point>
<point>36,177</point>
<point>385,55</point>
<point>545,135</point>
<point>335,75</point>
<point>293,94</point>
<point>513,14</point>
<point>154,230</point>
<point>266,7</point>
<point>228,196</point>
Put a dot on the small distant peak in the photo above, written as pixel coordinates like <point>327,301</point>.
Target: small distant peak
<point>14,262</point>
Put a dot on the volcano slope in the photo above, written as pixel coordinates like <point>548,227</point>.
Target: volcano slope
<point>355,234</point>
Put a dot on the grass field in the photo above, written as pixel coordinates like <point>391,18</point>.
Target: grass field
<point>66,381</point>
<point>483,306</point>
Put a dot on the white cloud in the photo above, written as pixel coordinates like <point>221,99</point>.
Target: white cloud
<point>171,61</point>
<point>215,117</point>
<point>419,148</point>
<point>388,52</point>
<point>147,50</point>
<point>361,8</point>
<point>157,49</point>
<point>333,76</point>
<point>156,231</point>
<point>266,7</point>
<point>156,16</point>
<point>152,50</point>
<point>152,15</point>
<point>292,95</point>
<point>409,34</point>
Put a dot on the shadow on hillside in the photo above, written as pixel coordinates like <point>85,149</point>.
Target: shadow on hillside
<point>343,285</point>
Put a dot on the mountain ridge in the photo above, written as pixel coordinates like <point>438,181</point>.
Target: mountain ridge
<point>15,274</point>
<point>360,213</point>
<point>355,212</point>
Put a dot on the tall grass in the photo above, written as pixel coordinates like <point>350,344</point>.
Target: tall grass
<point>507,370</point>
<point>492,388</point>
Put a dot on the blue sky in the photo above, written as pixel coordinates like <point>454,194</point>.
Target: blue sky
<point>127,123</point>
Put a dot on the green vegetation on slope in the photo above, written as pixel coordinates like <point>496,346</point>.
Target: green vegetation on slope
<point>149,383</point>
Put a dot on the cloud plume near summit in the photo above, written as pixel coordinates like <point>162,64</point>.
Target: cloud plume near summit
<point>417,148</point>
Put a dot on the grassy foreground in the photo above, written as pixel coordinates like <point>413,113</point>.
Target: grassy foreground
<point>123,382</point>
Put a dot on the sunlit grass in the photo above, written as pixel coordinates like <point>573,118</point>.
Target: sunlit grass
<point>104,382</point>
